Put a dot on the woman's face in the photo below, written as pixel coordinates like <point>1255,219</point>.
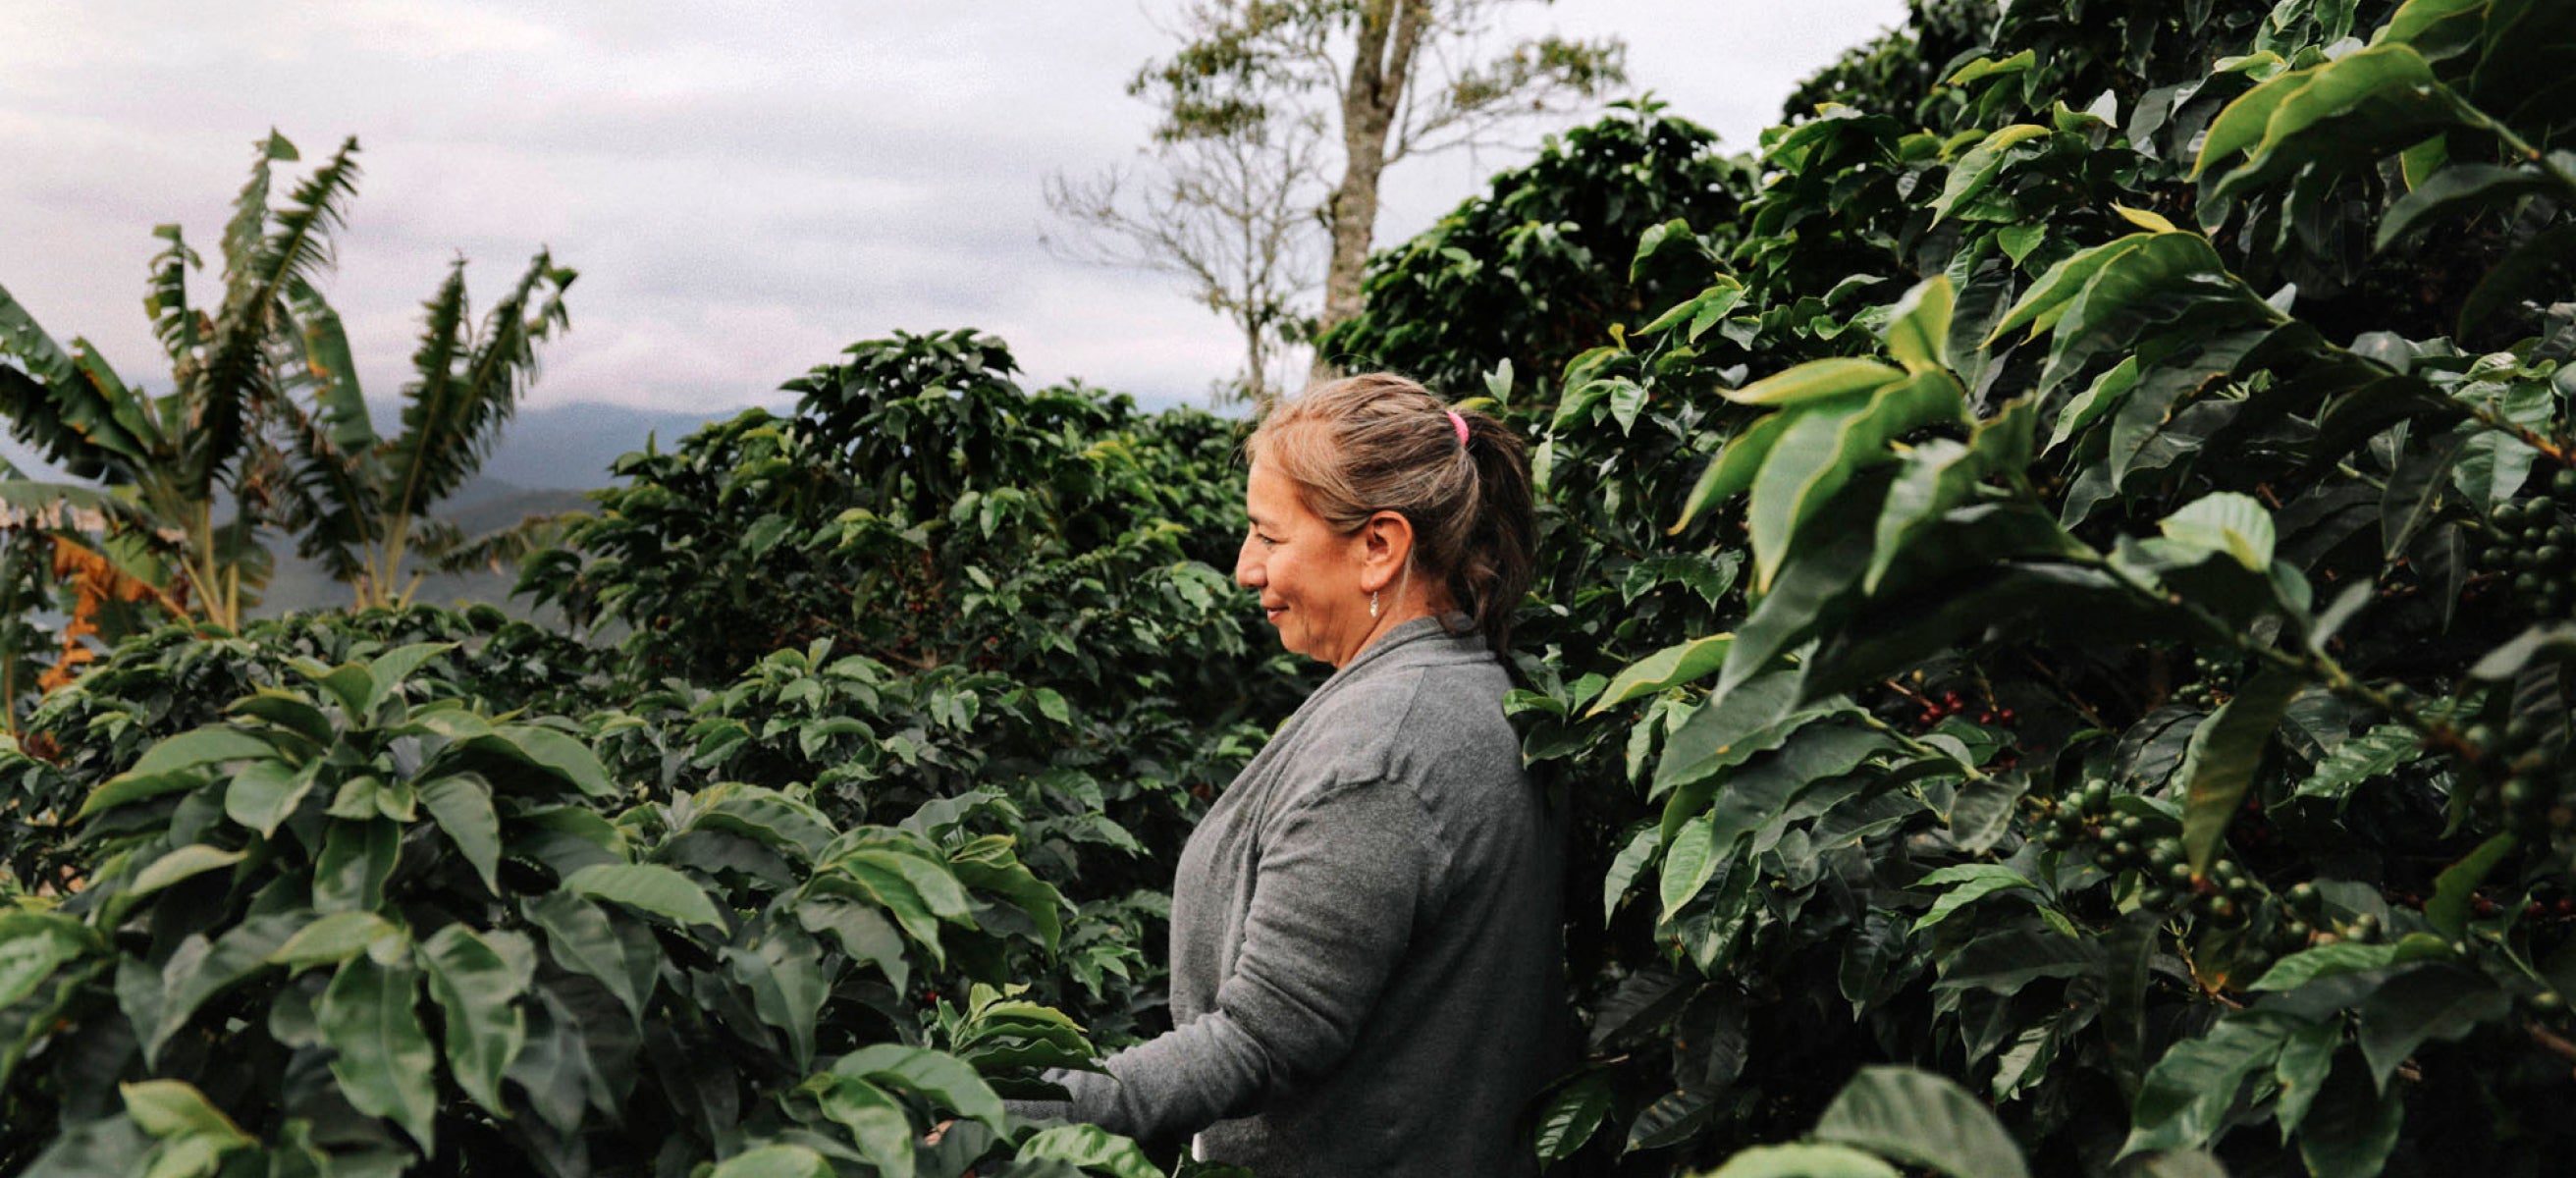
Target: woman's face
<point>1307,574</point>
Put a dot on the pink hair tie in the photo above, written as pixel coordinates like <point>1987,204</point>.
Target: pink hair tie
<point>1461,423</point>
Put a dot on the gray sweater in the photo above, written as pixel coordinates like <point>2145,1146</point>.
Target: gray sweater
<point>1366,964</point>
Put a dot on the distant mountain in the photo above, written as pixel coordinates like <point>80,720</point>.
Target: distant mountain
<point>485,505</point>
<point>546,458</point>
<point>571,446</point>
<point>556,447</point>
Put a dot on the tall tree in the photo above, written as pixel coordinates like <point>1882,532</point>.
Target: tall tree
<point>1262,91</point>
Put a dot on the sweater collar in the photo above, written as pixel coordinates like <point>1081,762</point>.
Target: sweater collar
<point>1413,639</point>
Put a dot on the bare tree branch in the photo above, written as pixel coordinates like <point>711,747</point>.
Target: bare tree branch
<point>1229,215</point>
<point>1241,195</point>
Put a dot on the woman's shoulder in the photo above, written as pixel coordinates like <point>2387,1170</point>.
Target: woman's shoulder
<point>1416,722</point>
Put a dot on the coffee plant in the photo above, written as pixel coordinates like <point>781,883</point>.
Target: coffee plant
<point>361,925</point>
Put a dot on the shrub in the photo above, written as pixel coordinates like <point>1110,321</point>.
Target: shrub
<point>356,927</point>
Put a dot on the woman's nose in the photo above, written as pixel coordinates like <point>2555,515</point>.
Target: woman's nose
<point>1247,566</point>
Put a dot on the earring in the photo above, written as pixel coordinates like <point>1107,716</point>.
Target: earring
<point>1372,603</point>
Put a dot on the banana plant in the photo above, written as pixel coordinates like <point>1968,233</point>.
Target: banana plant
<point>360,502</point>
<point>169,457</point>
<point>265,407</point>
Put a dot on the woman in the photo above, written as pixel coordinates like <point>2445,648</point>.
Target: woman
<point>1366,969</point>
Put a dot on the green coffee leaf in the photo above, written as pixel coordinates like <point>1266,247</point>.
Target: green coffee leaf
<point>333,939</point>
<point>183,863</point>
<point>1672,1118</point>
<point>941,1077</point>
<point>204,746</point>
<point>2369,755</point>
<point>461,804</point>
<point>174,1108</point>
<point>782,971</point>
<point>2433,1001</point>
<point>2456,887</point>
<point>878,1123</point>
<point>1701,311</point>
<point>649,887</point>
<point>1918,327</point>
<point>885,891</point>
<point>554,752</point>
<point>382,1057</point>
<point>1814,381</point>
<point>1631,862</point>
<point>2352,1129</point>
<point>32,946</point>
<point>1923,1119</point>
<point>1091,1148</point>
<point>1978,168</point>
<point>933,882</point>
<point>1669,667</point>
<point>1934,477</point>
<point>349,684</point>
<point>1988,67</point>
<point>289,711</point>
<point>2047,299</point>
<point>2186,1094</point>
<point>1731,472</point>
<point>200,968</point>
<point>1803,1160</point>
<point>2226,522</point>
<point>1036,898</point>
<point>580,938</point>
<point>775,1161</point>
<point>1572,1115</point>
<point>477,991</point>
<point>357,858</point>
<point>2460,185</point>
<point>1689,863</point>
<point>178,763</point>
<point>2225,751</point>
<point>1821,450</point>
<point>2307,1056</point>
<point>1974,881</point>
<point>263,794</point>
<point>2344,957</point>
<point>388,670</point>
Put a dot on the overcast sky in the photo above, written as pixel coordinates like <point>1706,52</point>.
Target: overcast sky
<point>745,187</point>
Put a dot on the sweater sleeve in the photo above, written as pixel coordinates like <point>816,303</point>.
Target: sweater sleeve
<point>1339,882</point>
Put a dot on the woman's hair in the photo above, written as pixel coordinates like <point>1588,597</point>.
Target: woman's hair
<point>1378,442</point>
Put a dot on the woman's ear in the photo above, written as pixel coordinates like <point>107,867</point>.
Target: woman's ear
<point>1385,543</point>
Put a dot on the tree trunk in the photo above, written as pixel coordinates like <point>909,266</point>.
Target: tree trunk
<point>1256,362</point>
<point>1390,32</point>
